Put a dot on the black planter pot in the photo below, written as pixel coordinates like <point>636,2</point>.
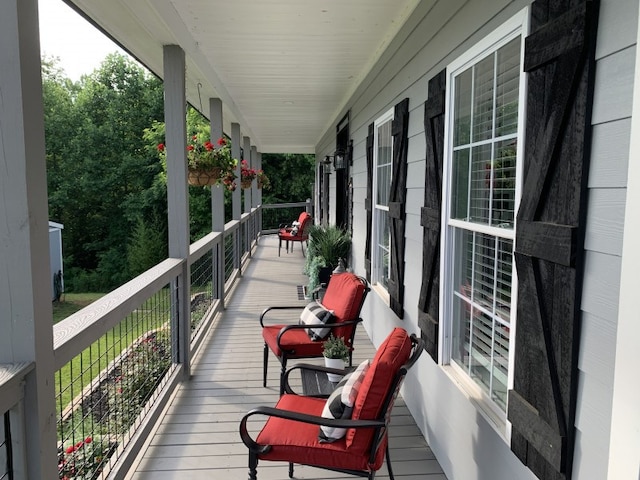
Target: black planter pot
<point>324,275</point>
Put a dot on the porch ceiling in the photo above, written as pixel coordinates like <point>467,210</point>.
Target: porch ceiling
<point>284,69</point>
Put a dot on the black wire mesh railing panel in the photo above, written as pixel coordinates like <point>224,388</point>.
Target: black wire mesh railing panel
<point>272,218</point>
<point>229,255</point>
<point>6,467</point>
<point>102,392</point>
<point>203,286</point>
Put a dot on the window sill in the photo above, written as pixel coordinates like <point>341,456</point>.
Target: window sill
<point>382,292</point>
<point>479,401</point>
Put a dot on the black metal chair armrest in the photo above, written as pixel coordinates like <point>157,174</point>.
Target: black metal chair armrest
<point>309,366</point>
<point>298,417</point>
<point>331,326</point>
<point>282,307</point>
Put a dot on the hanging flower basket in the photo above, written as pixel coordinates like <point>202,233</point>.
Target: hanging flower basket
<point>201,178</point>
<point>245,184</point>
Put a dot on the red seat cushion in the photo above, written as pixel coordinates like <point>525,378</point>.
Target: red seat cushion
<point>298,442</point>
<point>390,356</point>
<point>295,339</point>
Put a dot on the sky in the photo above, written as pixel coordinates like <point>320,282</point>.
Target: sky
<point>65,34</point>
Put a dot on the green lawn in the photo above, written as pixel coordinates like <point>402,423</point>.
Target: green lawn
<point>71,303</point>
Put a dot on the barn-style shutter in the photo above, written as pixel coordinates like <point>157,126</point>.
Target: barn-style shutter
<point>428,303</point>
<point>559,58</point>
<point>397,199</point>
<point>368,202</point>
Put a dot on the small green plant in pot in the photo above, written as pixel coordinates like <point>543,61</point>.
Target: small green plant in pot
<point>336,353</point>
<point>327,244</point>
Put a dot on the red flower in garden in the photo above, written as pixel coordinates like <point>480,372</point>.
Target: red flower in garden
<point>79,445</point>
<point>209,146</point>
<point>70,449</point>
<point>222,141</point>
<point>190,148</point>
<point>161,147</point>
<point>195,137</point>
<point>88,440</point>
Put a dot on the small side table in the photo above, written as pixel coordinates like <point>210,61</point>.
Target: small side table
<point>315,383</point>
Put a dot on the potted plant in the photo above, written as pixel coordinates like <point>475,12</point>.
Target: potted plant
<point>336,353</point>
<point>247,174</point>
<point>327,244</point>
<point>208,164</point>
<point>263,180</point>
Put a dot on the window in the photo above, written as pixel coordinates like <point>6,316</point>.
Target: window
<point>382,170</point>
<point>484,112</point>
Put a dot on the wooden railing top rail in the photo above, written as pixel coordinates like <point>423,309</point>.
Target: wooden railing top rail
<point>11,377</point>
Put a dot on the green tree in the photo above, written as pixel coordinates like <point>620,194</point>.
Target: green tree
<point>101,175</point>
<point>291,176</point>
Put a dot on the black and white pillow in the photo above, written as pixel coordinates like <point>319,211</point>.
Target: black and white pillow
<point>340,403</point>
<point>314,314</point>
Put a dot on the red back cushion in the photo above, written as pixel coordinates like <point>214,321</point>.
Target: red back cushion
<point>391,355</point>
<point>343,296</point>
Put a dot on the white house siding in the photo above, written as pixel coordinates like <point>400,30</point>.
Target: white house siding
<point>465,443</point>
<point>611,119</point>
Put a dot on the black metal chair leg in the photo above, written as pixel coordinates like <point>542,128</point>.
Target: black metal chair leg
<point>253,466</point>
<point>279,246</point>
<point>282,372</point>
<point>265,361</point>
<point>389,463</point>
<point>290,470</point>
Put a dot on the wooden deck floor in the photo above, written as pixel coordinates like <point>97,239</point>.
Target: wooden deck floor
<point>198,436</point>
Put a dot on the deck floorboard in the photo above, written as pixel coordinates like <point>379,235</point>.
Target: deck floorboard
<point>197,437</point>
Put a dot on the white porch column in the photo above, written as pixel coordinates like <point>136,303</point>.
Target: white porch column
<point>255,163</point>
<point>624,446</point>
<point>217,203</point>
<point>247,156</point>
<point>26,317</point>
<point>217,191</point>
<point>235,153</point>
<point>177,194</point>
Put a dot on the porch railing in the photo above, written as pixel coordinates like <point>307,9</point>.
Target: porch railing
<point>12,429</point>
<point>118,360</point>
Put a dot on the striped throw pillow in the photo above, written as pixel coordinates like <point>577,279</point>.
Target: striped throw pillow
<point>314,314</point>
<point>340,403</point>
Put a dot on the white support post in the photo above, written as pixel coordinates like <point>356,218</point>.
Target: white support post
<point>247,156</point>
<point>25,280</point>
<point>177,196</point>
<point>217,191</point>
<point>217,204</point>
<point>235,153</point>
<point>255,163</point>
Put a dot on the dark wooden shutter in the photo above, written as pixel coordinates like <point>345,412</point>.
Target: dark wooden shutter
<point>428,303</point>
<point>397,200</point>
<point>559,58</point>
<point>368,202</point>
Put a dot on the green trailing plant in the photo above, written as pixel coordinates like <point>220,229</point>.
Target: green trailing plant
<point>312,269</point>
<point>334,347</point>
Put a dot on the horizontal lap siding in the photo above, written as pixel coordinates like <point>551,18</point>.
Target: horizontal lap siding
<point>607,193</point>
<point>466,445</point>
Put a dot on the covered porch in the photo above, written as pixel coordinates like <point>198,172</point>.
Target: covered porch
<point>197,434</point>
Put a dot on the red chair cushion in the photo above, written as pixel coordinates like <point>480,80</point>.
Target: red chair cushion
<point>295,339</point>
<point>298,442</point>
<point>344,297</point>
<point>390,356</point>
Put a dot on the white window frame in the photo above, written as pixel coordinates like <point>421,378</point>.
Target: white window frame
<point>388,116</point>
<point>516,26</point>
